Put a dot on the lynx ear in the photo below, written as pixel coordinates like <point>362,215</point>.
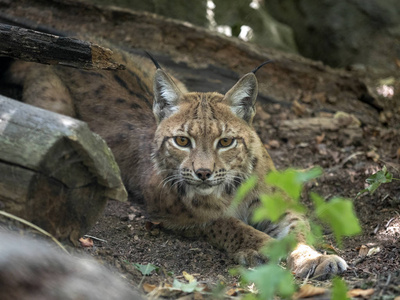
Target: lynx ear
<point>166,95</point>
<point>242,97</point>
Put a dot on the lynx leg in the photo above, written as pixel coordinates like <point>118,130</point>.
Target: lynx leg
<point>304,260</point>
<point>241,241</point>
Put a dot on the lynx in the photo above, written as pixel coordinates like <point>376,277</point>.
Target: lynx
<point>185,153</point>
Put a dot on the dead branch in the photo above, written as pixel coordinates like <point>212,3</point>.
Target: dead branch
<point>35,46</point>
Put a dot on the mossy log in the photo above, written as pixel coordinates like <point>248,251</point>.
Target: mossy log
<point>54,171</point>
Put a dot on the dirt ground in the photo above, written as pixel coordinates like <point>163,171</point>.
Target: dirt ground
<point>124,235</point>
<point>131,238</point>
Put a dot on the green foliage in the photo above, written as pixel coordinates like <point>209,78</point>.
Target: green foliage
<point>243,190</point>
<point>289,184</point>
<point>339,289</point>
<point>279,249</point>
<point>291,181</point>
<point>146,269</point>
<point>271,279</point>
<point>338,213</point>
<point>376,179</point>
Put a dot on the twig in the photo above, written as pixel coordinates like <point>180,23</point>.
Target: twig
<point>388,223</point>
<point>95,238</point>
<point>42,231</point>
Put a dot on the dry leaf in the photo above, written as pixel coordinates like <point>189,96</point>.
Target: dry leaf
<point>188,277</point>
<point>298,109</point>
<point>308,290</point>
<point>147,287</point>
<point>86,242</point>
<point>363,251</point>
<point>360,293</point>
<point>234,292</point>
<point>320,138</point>
<point>373,251</point>
<point>330,248</point>
<point>397,298</point>
<point>372,154</point>
<point>151,225</point>
<point>274,144</point>
<point>398,153</point>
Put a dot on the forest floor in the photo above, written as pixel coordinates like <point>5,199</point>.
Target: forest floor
<point>347,155</point>
<point>132,238</point>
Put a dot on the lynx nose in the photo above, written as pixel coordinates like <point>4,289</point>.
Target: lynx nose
<point>203,174</point>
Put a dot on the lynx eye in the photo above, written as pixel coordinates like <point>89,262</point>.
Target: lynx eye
<point>182,141</point>
<point>225,142</point>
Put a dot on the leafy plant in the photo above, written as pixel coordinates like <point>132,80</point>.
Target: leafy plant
<point>338,213</point>
<point>376,179</point>
<point>146,269</point>
<point>271,279</point>
<point>339,289</point>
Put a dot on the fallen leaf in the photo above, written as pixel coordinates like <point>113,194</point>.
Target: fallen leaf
<point>360,293</point>
<point>274,144</point>
<point>398,297</point>
<point>330,248</point>
<point>308,290</point>
<point>398,153</point>
<point>373,251</point>
<point>152,225</point>
<point>234,292</point>
<point>347,120</point>
<point>363,251</point>
<point>320,138</point>
<point>146,269</point>
<point>372,154</point>
<point>86,242</point>
<point>188,277</point>
<point>298,109</point>
<point>147,287</point>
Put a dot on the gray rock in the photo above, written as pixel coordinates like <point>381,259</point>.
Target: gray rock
<point>30,269</point>
<point>343,33</point>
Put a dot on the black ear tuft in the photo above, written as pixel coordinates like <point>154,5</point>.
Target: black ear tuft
<point>262,65</point>
<point>153,60</point>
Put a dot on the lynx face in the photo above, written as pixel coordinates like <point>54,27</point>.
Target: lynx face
<point>203,139</point>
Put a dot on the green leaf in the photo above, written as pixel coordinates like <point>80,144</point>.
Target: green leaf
<point>271,279</point>
<point>279,249</point>
<point>376,179</point>
<point>338,213</point>
<point>186,287</point>
<point>243,190</point>
<point>339,289</point>
<point>272,208</point>
<point>146,269</point>
<point>291,181</point>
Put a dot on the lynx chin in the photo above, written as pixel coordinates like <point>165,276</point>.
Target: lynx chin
<point>185,153</point>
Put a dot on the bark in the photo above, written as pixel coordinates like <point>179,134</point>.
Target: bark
<point>54,171</point>
<point>34,46</point>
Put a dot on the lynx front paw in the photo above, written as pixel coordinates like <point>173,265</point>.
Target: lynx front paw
<point>249,258</point>
<point>305,261</point>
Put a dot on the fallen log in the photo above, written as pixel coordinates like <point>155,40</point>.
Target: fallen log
<point>54,171</point>
<point>35,46</point>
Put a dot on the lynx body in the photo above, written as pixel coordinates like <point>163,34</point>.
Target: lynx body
<point>185,153</point>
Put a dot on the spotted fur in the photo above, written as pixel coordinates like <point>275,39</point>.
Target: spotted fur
<point>141,112</point>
